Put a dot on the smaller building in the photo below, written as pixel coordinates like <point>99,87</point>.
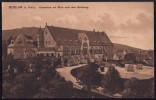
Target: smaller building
<point>22,47</point>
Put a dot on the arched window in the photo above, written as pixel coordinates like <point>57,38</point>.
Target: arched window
<point>92,50</point>
<point>85,48</point>
<point>101,51</point>
<point>85,39</point>
<point>66,50</point>
<point>77,51</point>
<point>73,51</point>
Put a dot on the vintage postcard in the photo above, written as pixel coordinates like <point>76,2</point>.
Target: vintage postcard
<point>77,50</point>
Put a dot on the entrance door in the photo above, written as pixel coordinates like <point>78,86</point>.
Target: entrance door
<point>58,55</point>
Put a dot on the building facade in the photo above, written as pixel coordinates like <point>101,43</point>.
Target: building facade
<point>64,42</point>
<point>22,47</point>
<point>57,41</point>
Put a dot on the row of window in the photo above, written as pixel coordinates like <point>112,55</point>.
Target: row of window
<point>84,51</point>
<point>47,42</point>
<point>46,54</point>
<point>29,55</point>
<point>96,51</point>
<point>72,52</point>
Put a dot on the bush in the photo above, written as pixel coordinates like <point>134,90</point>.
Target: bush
<point>89,75</point>
<point>150,91</point>
<point>132,83</point>
<point>135,88</point>
<point>129,93</point>
<point>29,84</point>
<point>112,81</point>
<point>130,86</point>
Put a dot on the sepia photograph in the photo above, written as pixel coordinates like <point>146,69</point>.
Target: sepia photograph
<point>78,50</point>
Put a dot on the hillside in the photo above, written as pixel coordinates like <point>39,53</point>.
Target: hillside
<point>30,31</point>
<point>117,47</point>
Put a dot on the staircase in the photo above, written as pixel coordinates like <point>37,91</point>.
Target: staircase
<point>73,60</point>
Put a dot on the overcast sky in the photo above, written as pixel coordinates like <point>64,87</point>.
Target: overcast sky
<point>129,23</point>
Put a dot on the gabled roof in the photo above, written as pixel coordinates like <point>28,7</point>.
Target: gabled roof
<point>22,41</point>
<point>30,31</point>
<point>64,35</point>
<point>70,36</point>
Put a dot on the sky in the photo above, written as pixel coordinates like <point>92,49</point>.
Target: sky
<point>129,23</point>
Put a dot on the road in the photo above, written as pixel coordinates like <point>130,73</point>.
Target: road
<point>65,72</point>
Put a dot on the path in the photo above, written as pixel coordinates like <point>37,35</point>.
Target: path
<point>65,72</point>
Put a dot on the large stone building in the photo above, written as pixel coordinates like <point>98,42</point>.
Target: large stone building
<point>56,41</point>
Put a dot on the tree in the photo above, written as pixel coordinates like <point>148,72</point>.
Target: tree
<point>130,57</point>
<point>44,81</point>
<point>112,81</point>
<point>89,75</point>
<point>131,88</point>
<point>150,88</point>
<point>4,48</point>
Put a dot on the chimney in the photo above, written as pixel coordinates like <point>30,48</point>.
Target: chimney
<point>93,30</point>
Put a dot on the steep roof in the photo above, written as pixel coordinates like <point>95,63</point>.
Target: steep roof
<point>30,31</point>
<point>70,36</point>
<point>22,41</point>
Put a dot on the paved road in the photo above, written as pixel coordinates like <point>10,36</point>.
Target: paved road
<point>65,72</point>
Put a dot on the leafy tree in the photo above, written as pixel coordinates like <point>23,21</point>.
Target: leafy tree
<point>4,48</point>
<point>112,81</point>
<point>150,91</point>
<point>89,75</point>
<point>44,81</point>
<point>130,57</point>
<point>131,88</point>
<point>57,62</point>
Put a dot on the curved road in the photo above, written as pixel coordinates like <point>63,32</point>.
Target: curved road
<point>65,72</point>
